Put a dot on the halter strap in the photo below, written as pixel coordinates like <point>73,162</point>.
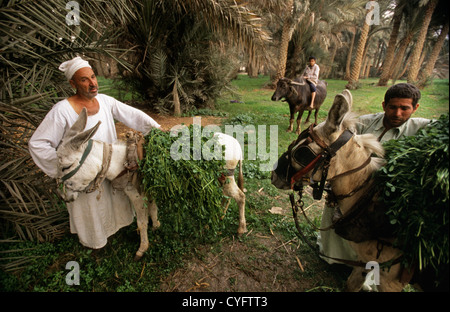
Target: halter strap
<point>83,158</point>
<point>323,158</point>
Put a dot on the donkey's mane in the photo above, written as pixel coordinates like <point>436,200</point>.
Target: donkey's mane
<point>368,141</point>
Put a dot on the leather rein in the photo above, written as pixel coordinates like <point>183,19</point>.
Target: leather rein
<point>323,160</point>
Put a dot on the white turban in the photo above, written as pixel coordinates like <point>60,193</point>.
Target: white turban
<point>69,68</point>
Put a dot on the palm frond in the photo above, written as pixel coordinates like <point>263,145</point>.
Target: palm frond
<point>35,39</point>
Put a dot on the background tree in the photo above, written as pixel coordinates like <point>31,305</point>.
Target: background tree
<point>354,74</point>
<point>418,46</point>
<point>439,27</point>
<point>180,53</point>
<point>35,39</point>
<point>390,53</point>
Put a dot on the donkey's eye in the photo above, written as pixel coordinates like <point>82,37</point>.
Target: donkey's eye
<point>66,168</point>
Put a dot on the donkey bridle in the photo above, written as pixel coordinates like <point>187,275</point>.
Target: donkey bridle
<point>95,184</point>
<point>321,160</point>
<point>82,160</point>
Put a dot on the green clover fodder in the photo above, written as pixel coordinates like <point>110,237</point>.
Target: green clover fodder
<point>187,191</point>
<point>415,186</point>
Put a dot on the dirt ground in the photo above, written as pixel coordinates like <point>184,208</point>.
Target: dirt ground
<point>256,262</point>
<point>167,122</point>
<point>263,263</point>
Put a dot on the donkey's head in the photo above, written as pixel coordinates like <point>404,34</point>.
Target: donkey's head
<point>76,169</point>
<point>330,146</point>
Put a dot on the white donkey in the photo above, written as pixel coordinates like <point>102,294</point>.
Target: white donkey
<point>84,163</point>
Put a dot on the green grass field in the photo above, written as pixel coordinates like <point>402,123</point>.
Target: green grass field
<point>366,100</point>
<point>255,105</point>
<point>112,268</point>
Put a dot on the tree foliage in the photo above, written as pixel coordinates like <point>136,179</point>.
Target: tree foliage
<point>182,49</point>
<point>34,40</point>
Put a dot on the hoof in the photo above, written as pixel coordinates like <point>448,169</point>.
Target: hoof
<point>242,231</point>
<point>156,226</point>
<point>289,130</point>
<point>138,256</point>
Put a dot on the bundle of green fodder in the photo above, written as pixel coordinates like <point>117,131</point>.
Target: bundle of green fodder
<point>186,190</point>
<point>415,189</point>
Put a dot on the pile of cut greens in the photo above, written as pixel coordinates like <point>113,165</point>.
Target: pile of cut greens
<point>415,188</point>
<point>187,191</point>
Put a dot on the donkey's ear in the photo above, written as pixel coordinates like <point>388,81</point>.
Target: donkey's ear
<point>340,107</point>
<point>348,96</point>
<point>84,136</point>
<point>79,125</point>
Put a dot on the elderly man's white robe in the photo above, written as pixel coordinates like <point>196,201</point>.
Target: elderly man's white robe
<point>94,220</point>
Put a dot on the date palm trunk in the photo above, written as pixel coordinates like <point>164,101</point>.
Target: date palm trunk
<point>390,53</point>
<point>418,47</point>
<point>354,74</point>
<point>428,69</point>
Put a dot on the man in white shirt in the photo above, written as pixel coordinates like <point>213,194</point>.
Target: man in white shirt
<point>94,220</point>
<point>311,75</point>
<point>401,101</point>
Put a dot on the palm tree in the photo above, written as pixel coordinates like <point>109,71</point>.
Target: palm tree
<point>390,53</point>
<point>179,49</point>
<point>293,12</point>
<point>417,51</point>
<point>354,74</point>
<point>439,18</point>
<point>409,28</point>
<point>320,34</point>
<point>36,39</point>
<point>428,69</point>
<point>349,54</point>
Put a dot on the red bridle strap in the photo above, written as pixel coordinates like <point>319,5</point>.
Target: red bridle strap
<point>299,174</point>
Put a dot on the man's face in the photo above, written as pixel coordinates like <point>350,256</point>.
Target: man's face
<point>312,62</point>
<point>85,81</point>
<point>398,111</point>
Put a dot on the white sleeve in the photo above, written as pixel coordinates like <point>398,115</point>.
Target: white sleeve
<point>44,141</point>
<point>133,117</point>
<point>316,72</point>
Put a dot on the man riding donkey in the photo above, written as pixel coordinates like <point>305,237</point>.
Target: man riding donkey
<point>311,76</point>
<point>94,218</point>
<point>400,102</point>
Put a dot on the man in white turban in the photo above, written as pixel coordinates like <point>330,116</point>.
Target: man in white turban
<point>94,220</point>
<point>69,68</point>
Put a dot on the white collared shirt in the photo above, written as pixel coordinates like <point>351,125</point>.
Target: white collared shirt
<point>373,123</point>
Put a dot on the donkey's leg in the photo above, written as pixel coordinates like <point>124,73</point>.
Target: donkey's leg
<point>299,120</point>
<point>390,279</point>
<point>225,203</point>
<point>231,189</point>
<point>309,115</point>
<point>315,114</point>
<point>356,279</point>
<point>291,118</point>
<point>153,211</point>
<point>142,219</point>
